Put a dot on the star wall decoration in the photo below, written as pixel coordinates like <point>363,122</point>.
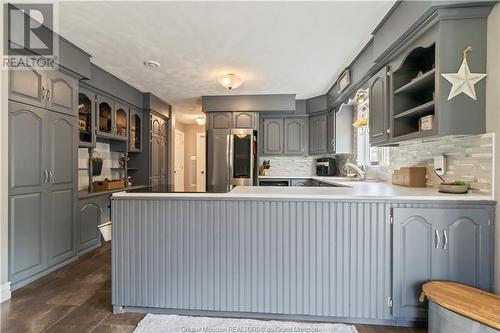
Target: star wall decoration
<point>464,80</point>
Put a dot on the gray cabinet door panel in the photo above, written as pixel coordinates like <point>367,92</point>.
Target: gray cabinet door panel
<point>243,119</point>
<point>90,217</point>
<point>62,133</point>
<point>273,136</point>
<point>27,220</point>
<point>294,136</point>
<point>318,134</point>
<point>26,147</point>
<point>62,95</point>
<point>27,86</point>
<point>330,128</point>
<point>412,255</point>
<point>220,120</point>
<point>61,226</point>
<point>163,162</point>
<point>344,130</point>
<point>468,248</point>
<point>156,156</point>
<point>379,108</point>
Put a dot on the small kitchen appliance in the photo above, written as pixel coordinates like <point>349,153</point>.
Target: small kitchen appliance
<point>326,166</point>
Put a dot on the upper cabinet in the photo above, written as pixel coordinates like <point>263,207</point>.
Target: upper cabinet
<point>121,121</point>
<point>272,135</point>
<point>343,133</point>
<point>135,135</point>
<point>286,135</point>
<point>410,98</point>
<point>86,117</point>
<point>318,134</point>
<point>54,90</point>
<point>295,136</point>
<point>245,120</point>
<point>112,119</point>
<point>220,120</point>
<point>379,108</point>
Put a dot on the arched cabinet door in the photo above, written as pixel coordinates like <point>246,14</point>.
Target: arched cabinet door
<point>294,136</point>
<point>27,86</point>
<point>468,252</point>
<point>62,95</point>
<point>243,120</point>
<point>273,136</point>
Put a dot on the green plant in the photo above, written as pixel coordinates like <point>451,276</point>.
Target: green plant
<point>97,159</point>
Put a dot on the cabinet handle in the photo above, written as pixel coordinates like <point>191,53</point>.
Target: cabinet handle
<point>445,239</point>
<point>48,94</point>
<point>43,92</point>
<point>51,176</point>
<point>437,238</point>
<point>45,176</point>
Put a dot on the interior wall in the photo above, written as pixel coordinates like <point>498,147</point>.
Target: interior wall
<point>493,118</point>
<point>4,229</point>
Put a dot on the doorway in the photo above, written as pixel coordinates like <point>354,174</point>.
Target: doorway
<point>200,162</point>
<point>179,162</point>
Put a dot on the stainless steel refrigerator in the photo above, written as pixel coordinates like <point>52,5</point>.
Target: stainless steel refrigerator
<point>231,159</point>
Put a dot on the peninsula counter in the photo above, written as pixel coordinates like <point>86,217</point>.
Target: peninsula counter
<point>355,254</point>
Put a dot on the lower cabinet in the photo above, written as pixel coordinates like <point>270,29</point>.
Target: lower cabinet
<point>438,244</point>
<point>94,211</point>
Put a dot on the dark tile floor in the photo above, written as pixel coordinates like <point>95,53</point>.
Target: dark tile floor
<point>77,298</point>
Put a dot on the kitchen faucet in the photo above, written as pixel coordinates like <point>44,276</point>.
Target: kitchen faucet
<point>358,170</point>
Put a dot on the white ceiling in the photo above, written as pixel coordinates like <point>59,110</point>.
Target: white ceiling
<point>277,47</point>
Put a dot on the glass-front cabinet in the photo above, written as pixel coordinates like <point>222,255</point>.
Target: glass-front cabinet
<point>121,121</point>
<point>86,116</point>
<point>112,119</point>
<point>105,117</point>
<point>135,134</point>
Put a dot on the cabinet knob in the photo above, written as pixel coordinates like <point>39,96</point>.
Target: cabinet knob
<point>43,92</point>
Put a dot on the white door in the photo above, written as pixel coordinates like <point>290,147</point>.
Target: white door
<point>200,162</point>
<point>179,161</point>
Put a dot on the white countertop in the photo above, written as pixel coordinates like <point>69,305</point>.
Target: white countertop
<point>347,189</point>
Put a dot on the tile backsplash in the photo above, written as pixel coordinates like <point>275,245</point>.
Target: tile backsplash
<point>469,158</point>
<point>109,167</point>
<point>297,165</point>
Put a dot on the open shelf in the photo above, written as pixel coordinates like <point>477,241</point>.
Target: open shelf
<point>421,110</point>
<point>419,83</point>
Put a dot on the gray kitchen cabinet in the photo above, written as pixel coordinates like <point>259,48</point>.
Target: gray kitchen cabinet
<point>62,95</point>
<point>330,131</point>
<point>318,134</point>
<point>273,136</point>
<point>121,123</point>
<point>105,117</point>
<point>27,191</point>
<point>163,162</point>
<point>244,119</point>
<point>28,86</point>
<point>379,107</point>
<point>112,119</point>
<point>90,216</point>
<point>50,89</point>
<point>61,165</point>
<point>42,190</point>
<point>136,129</point>
<point>295,136</point>
<point>86,118</point>
<point>438,244</point>
<point>344,130</point>
<point>220,120</point>
<point>156,148</point>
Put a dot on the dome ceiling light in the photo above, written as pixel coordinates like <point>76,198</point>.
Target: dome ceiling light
<point>229,81</point>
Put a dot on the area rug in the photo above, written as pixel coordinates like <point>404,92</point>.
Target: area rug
<point>153,323</point>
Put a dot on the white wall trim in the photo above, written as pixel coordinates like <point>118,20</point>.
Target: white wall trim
<point>5,292</point>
